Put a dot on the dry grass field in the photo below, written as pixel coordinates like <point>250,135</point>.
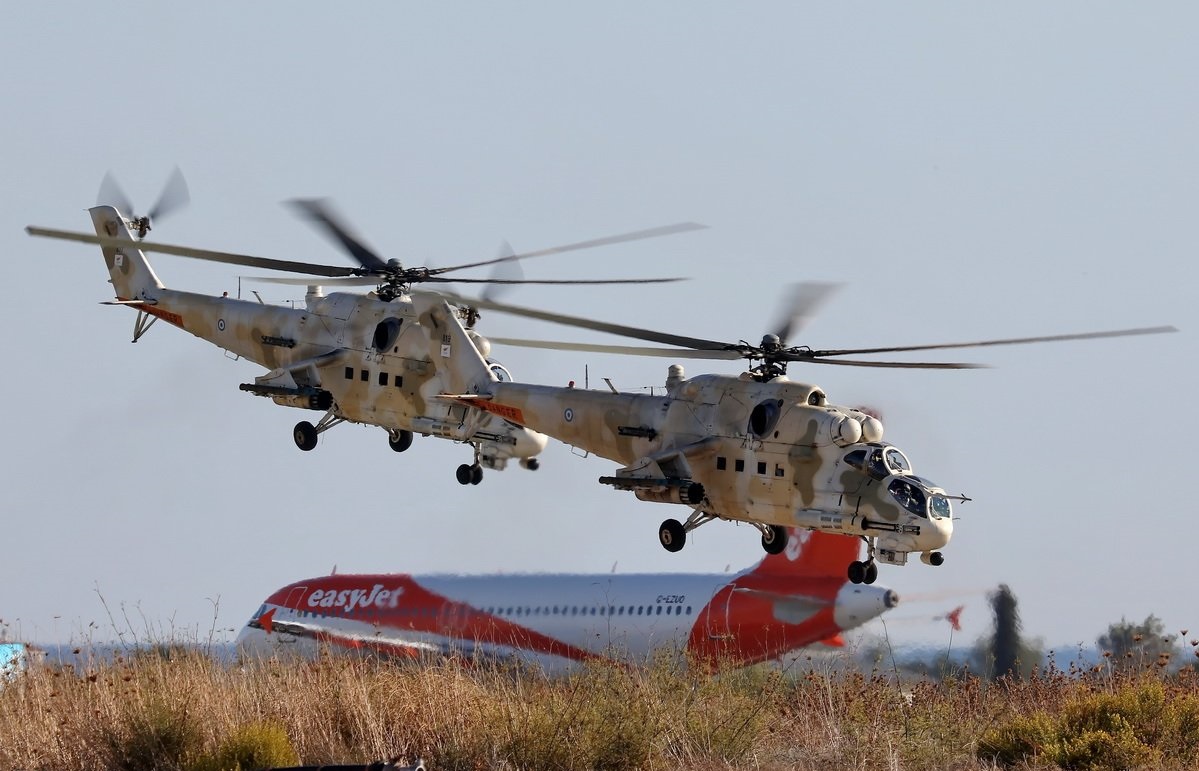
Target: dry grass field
<point>176,709</point>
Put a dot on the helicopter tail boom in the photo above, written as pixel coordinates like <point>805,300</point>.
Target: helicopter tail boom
<point>130,273</point>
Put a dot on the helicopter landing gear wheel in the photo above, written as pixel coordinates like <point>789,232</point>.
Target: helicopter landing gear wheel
<point>871,573</point>
<point>399,440</point>
<point>857,572</point>
<point>469,474</point>
<point>671,535</point>
<point>774,539</point>
<point>305,435</point>
<point>532,464</point>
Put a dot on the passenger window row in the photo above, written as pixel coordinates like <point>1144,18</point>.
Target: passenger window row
<point>365,377</point>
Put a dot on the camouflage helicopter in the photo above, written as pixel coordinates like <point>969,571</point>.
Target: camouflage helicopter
<point>756,448</point>
<point>378,359</point>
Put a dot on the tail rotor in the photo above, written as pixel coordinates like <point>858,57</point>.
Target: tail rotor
<point>174,196</point>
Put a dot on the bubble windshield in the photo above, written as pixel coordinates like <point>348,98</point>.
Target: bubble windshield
<point>939,507</point>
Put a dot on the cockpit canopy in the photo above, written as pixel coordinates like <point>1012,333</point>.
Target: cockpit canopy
<point>920,496</point>
<point>879,460</point>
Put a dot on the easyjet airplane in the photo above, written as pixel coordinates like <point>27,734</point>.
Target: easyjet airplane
<point>786,601</point>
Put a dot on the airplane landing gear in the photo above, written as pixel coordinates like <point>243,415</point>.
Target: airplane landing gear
<point>399,439</point>
<point>469,474</point>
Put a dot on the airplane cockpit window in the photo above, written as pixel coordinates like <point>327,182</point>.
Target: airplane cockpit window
<point>909,495</point>
<point>857,459</point>
<point>940,507</point>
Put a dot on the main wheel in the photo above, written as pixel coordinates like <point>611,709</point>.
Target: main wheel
<point>476,474</point>
<point>532,464</point>
<point>464,474</point>
<point>871,573</point>
<point>857,572</point>
<point>403,442</point>
<point>775,540</point>
<point>672,535</point>
<point>305,435</point>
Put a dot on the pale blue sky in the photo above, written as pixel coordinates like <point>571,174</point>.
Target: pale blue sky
<point>967,171</point>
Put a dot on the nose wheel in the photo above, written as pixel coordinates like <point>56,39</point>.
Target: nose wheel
<point>863,572</point>
<point>469,474</point>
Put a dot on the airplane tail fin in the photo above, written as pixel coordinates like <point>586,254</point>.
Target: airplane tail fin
<point>130,273</point>
<point>812,554</point>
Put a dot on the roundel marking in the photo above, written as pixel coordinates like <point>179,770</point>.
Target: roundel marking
<point>795,544</point>
<point>569,414</point>
<point>220,324</point>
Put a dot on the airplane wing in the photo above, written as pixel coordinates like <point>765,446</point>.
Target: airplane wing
<point>390,646</point>
<point>790,608</point>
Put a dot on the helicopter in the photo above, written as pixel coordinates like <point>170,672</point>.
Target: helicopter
<point>756,447</point>
<point>378,359</point>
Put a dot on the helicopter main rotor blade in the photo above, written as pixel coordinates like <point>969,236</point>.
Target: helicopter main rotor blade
<point>111,194</point>
<point>174,196</point>
<point>511,281</point>
<point>636,333</point>
<point>339,281</point>
<point>805,300</point>
<point>318,211</point>
<point>230,258</point>
<point>627,350</point>
<point>883,364</point>
<point>1006,341</point>
<point>637,235</point>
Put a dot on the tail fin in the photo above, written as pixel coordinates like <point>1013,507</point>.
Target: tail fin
<point>130,273</point>
<point>812,554</point>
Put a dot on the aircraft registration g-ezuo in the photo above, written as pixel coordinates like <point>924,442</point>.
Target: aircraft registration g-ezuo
<point>378,359</point>
<point>787,601</point>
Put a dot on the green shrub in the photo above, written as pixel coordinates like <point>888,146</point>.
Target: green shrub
<point>1135,727</point>
<point>250,748</point>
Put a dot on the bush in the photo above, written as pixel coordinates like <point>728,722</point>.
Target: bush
<point>1137,726</point>
<point>250,748</point>
<point>156,737</point>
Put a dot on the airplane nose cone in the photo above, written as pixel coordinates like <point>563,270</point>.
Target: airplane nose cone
<point>858,603</point>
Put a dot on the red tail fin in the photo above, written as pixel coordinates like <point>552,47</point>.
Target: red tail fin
<point>812,553</point>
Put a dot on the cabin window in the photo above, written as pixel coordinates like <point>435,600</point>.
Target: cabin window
<point>778,470</point>
<point>383,378</point>
<point>366,376</point>
<point>761,467</point>
<point>399,381</point>
<point>721,463</point>
<point>738,465</point>
<point>688,610</point>
<point>349,373</point>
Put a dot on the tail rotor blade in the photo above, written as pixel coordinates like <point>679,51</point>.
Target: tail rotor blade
<point>111,194</point>
<point>174,196</point>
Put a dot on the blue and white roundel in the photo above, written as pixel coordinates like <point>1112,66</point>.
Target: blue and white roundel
<point>569,414</point>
